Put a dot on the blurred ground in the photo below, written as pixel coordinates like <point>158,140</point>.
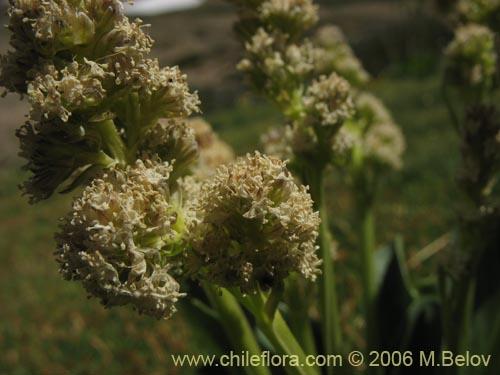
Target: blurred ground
<point>47,326</point>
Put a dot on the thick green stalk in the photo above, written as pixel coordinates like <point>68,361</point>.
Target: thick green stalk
<point>458,291</point>
<point>329,308</point>
<point>234,322</point>
<point>365,187</point>
<point>298,316</point>
<point>457,319</point>
<point>367,227</point>
<point>278,333</point>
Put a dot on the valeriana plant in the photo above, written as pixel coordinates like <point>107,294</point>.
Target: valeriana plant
<point>471,75</point>
<point>153,209</point>
<point>316,83</point>
<point>94,92</point>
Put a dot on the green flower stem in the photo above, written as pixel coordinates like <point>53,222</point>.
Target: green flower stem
<point>329,308</point>
<point>458,312</point>
<point>238,330</point>
<point>298,316</point>
<point>112,142</point>
<point>365,187</point>
<point>277,332</point>
<point>450,107</point>
<point>458,292</point>
<point>368,274</point>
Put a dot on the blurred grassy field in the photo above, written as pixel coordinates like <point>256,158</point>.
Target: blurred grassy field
<point>48,326</point>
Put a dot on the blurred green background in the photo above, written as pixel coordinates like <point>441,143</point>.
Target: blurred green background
<point>48,326</point>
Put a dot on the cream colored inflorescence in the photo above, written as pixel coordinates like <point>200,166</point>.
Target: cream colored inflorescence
<point>118,238</point>
<point>292,16</point>
<point>214,152</point>
<point>58,93</point>
<point>256,226</point>
<point>154,205</point>
<point>479,10</point>
<point>333,53</point>
<point>471,57</point>
<point>376,133</point>
<point>328,101</point>
<point>81,63</point>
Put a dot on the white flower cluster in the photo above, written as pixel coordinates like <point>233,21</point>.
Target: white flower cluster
<point>481,11</point>
<point>213,151</point>
<point>80,62</point>
<point>293,16</point>
<point>58,93</point>
<point>375,133</point>
<point>335,54</point>
<point>328,101</point>
<point>118,237</point>
<point>107,117</point>
<point>256,226</point>
<point>471,57</point>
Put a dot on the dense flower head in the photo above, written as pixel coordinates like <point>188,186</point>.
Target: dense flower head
<point>204,134</point>
<point>371,109</point>
<point>481,11</point>
<point>256,226</point>
<point>58,32</point>
<point>335,55</point>
<point>384,143</point>
<point>276,67</point>
<point>173,141</point>
<point>58,93</point>
<point>328,101</point>
<point>167,89</point>
<point>471,57</point>
<point>375,132</point>
<point>159,92</point>
<point>119,236</point>
<point>276,142</point>
<point>290,16</point>
<point>342,144</point>
<point>83,63</point>
<point>49,53</point>
<point>214,152</point>
<point>295,139</point>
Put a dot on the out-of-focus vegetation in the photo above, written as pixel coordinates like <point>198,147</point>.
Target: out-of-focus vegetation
<point>48,327</point>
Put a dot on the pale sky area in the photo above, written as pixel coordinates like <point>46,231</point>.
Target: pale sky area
<point>152,7</point>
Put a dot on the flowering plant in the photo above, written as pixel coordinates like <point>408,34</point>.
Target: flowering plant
<point>164,210</point>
